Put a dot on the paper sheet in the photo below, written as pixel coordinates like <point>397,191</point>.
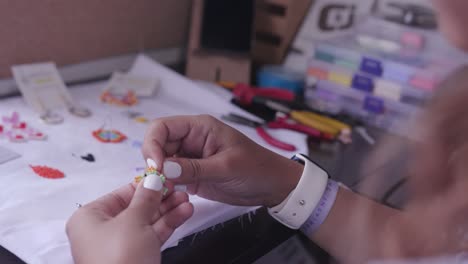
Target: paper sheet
<point>7,155</point>
<point>41,86</point>
<point>34,210</point>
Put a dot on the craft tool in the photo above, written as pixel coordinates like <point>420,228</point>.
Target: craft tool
<point>283,122</point>
<point>259,127</point>
<point>328,126</point>
<point>362,131</point>
<point>246,94</point>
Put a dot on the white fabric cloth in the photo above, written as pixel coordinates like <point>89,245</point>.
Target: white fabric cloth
<point>34,210</point>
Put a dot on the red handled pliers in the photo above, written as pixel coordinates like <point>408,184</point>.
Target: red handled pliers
<point>259,127</point>
<point>246,94</point>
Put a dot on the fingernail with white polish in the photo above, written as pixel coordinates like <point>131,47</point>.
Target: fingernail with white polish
<point>172,170</point>
<point>180,188</point>
<point>153,182</point>
<point>150,163</point>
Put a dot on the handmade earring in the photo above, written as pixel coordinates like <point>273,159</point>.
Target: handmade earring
<point>19,131</point>
<point>136,116</point>
<point>108,135</point>
<point>152,171</point>
<point>75,109</point>
<point>51,118</point>
<point>16,137</point>
<point>48,116</point>
<point>47,172</point>
<point>128,99</point>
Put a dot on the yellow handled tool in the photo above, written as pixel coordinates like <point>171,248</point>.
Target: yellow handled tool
<point>327,120</point>
<point>303,118</point>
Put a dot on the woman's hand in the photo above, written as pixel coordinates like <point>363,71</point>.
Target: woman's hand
<point>126,226</point>
<point>219,163</point>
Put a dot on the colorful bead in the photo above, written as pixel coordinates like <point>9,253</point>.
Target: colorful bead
<point>138,178</point>
<point>152,171</point>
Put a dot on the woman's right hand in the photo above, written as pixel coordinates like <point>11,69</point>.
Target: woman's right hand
<point>219,163</point>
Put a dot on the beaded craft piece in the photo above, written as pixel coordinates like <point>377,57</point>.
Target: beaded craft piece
<point>136,116</point>
<point>47,172</point>
<point>19,131</point>
<point>109,136</point>
<point>128,99</point>
<point>141,119</point>
<point>88,157</point>
<point>152,171</point>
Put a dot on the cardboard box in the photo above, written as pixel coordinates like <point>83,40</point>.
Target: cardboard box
<point>213,65</point>
<point>276,24</point>
<point>218,67</point>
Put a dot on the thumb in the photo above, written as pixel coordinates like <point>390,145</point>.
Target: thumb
<point>190,171</point>
<point>147,198</point>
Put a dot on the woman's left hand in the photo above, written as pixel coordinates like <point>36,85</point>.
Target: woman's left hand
<point>128,225</point>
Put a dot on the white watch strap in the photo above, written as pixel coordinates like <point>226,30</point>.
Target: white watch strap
<point>301,202</point>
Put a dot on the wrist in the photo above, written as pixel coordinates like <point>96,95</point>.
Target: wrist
<point>321,211</point>
<point>304,198</point>
<point>286,178</point>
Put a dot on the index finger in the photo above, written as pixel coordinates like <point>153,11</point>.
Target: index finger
<point>162,132</point>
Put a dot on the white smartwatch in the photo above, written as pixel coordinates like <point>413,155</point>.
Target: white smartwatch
<point>294,211</point>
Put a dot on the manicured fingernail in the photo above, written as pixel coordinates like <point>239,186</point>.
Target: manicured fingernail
<point>180,188</point>
<point>150,163</point>
<point>172,170</point>
<point>153,182</point>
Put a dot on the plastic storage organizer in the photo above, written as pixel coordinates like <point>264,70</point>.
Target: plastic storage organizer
<point>382,74</point>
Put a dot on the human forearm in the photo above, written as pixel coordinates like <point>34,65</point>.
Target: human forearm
<point>356,227</point>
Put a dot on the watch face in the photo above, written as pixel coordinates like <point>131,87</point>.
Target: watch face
<point>299,160</point>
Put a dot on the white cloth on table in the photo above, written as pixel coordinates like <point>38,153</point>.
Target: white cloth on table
<point>34,210</point>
